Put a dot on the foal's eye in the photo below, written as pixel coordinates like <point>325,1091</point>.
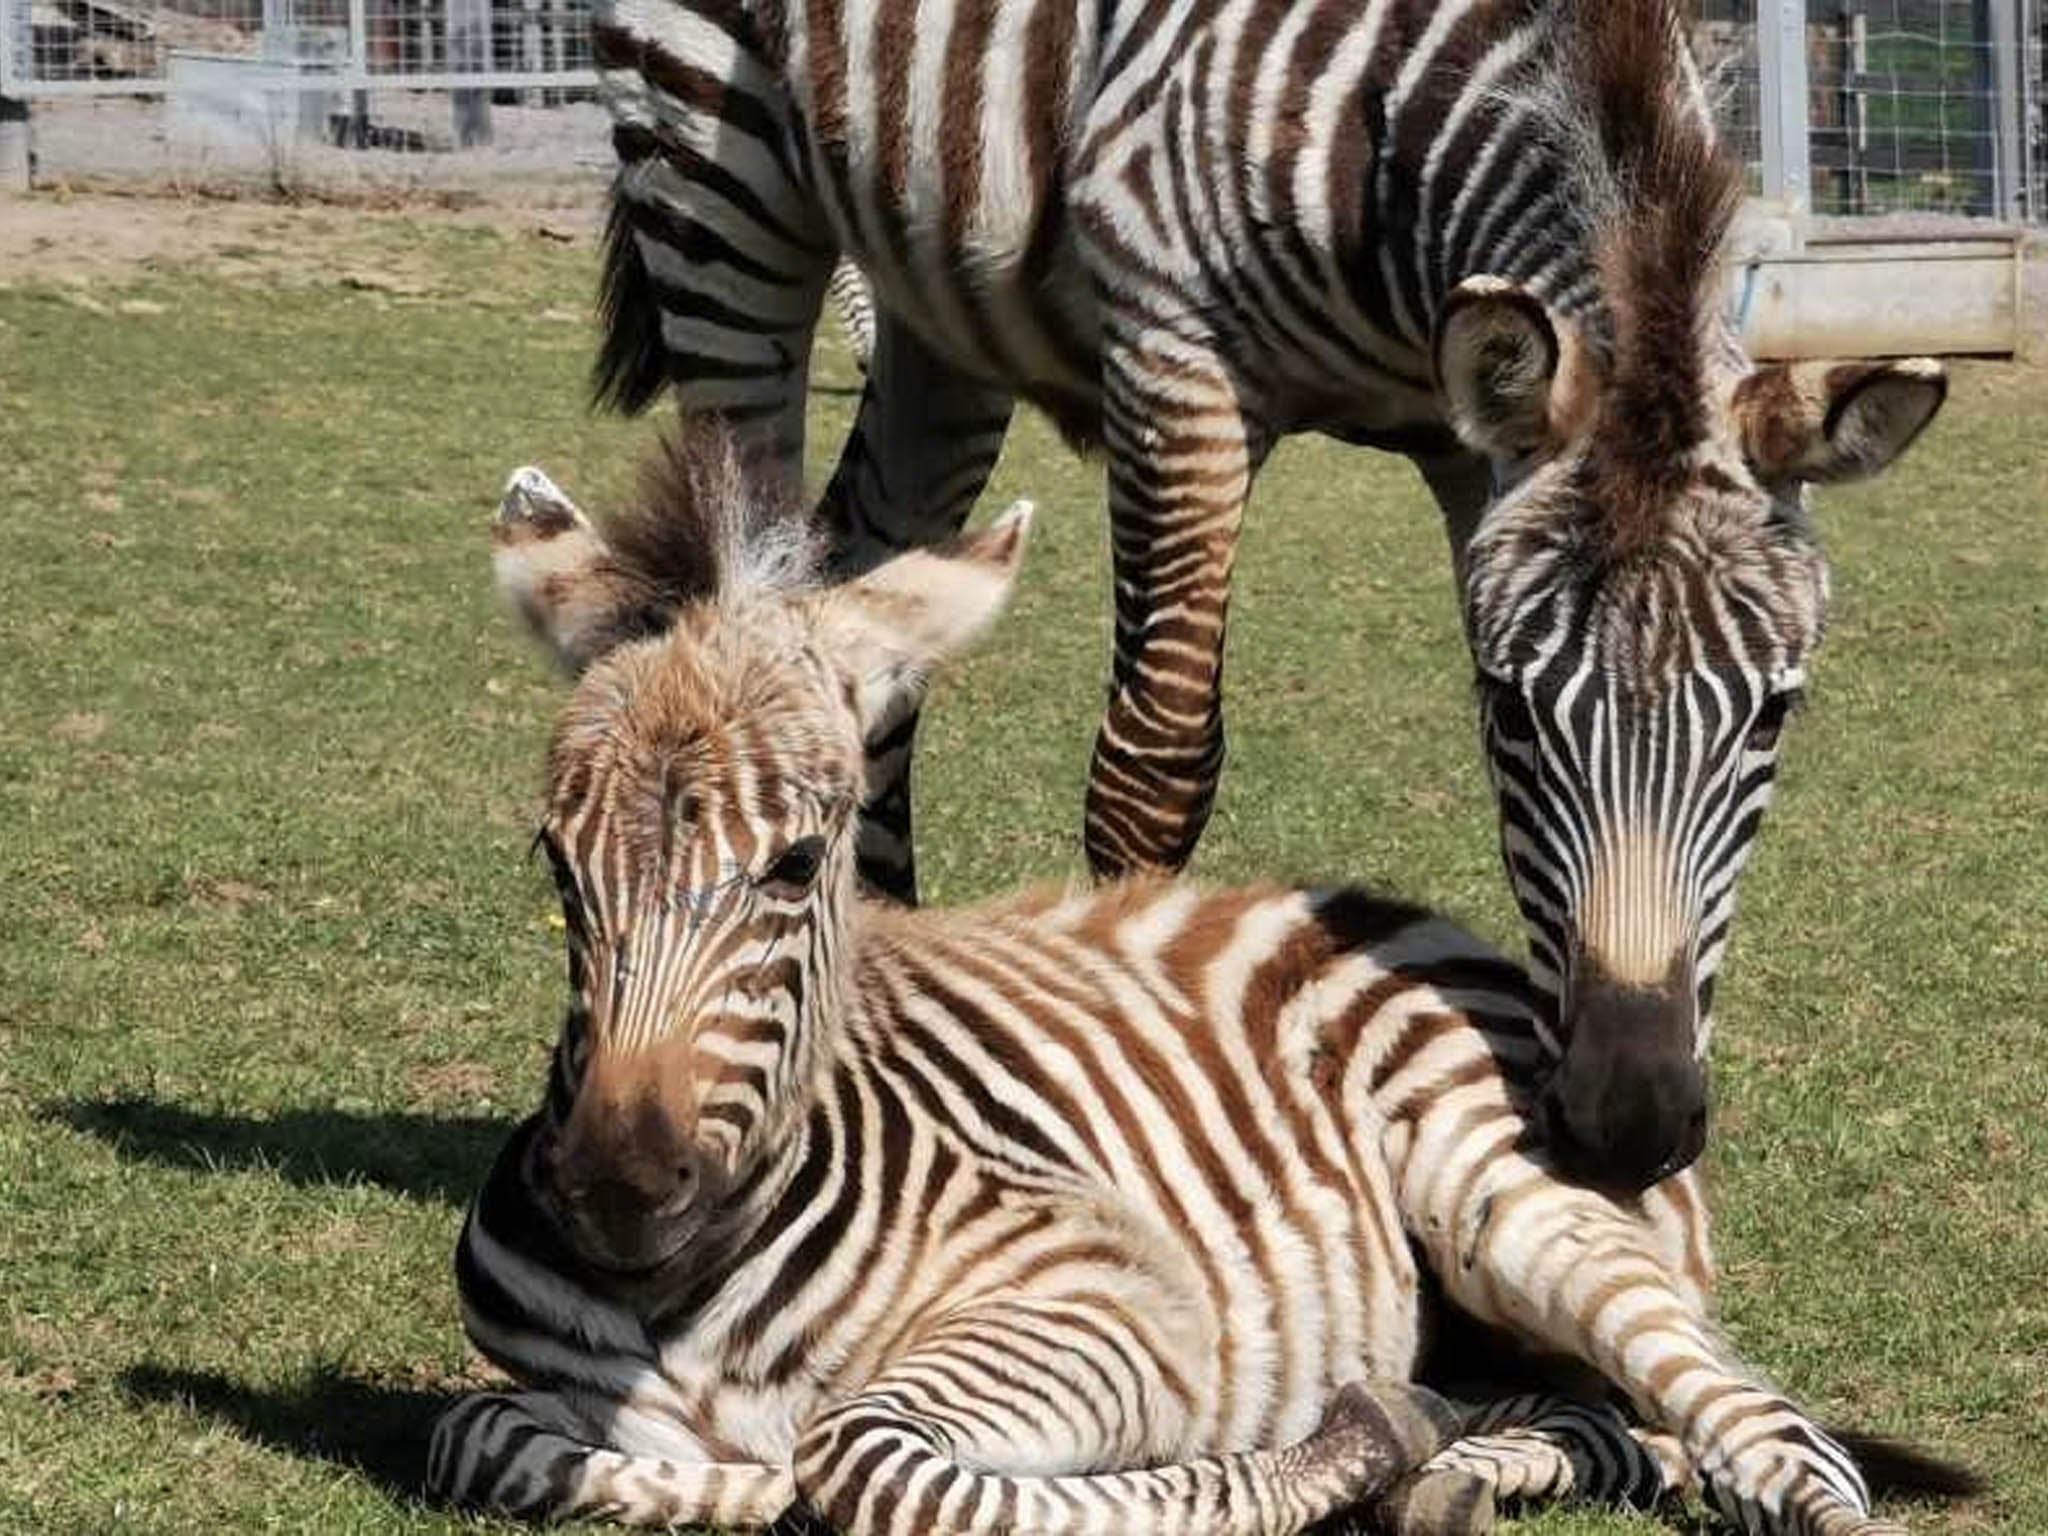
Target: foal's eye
<point>1769,723</point>
<point>796,867</point>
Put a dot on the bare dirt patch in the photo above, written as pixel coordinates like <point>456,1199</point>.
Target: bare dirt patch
<point>92,240</point>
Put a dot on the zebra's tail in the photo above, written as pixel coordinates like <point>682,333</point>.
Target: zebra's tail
<point>632,364</point>
<point>1896,1469</point>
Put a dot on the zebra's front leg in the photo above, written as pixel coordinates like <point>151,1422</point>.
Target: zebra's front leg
<point>533,1456</point>
<point>1571,1271</point>
<point>1183,446</point>
<point>920,452</point>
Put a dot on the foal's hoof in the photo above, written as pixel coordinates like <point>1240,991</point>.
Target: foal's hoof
<point>1447,1501</point>
<point>1378,1432</point>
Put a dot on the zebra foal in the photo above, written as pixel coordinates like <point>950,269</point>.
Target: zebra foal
<point>1070,1213</point>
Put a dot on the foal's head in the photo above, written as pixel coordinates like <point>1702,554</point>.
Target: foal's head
<point>704,783</point>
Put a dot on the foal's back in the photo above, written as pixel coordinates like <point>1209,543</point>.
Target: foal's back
<point>1193,1086</point>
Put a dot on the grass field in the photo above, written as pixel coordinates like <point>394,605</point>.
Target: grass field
<point>276,974</point>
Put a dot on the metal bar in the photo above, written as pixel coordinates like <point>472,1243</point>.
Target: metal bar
<point>358,59</point>
<point>1985,198</point>
<point>1859,112</point>
<point>341,80</point>
<point>2036,207</point>
<point>2007,50</point>
<point>451,80</point>
<point>1782,103</point>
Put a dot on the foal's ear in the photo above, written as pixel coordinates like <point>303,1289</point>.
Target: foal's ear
<point>1497,359</point>
<point>556,570</point>
<point>1828,422</point>
<point>890,629</point>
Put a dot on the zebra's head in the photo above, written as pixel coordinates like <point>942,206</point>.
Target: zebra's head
<point>703,788</point>
<point>1643,597</point>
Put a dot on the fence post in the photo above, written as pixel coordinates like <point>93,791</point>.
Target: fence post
<point>359,66</point>
<point>1856,107</point>
<point>469,48</point>
<point>15,161</point>
<point>2008,60</point>
<point>2033,128</point>
<point>1782,104</point>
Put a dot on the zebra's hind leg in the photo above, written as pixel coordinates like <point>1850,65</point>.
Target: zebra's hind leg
<point>529,1455</point>
<point>854,302</point>
<point>926,437</point>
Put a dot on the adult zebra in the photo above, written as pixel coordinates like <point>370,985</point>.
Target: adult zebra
<point>1071,1214</point>
<point>1482,232</point>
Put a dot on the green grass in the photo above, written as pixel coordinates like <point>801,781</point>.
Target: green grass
<point>276,973</point>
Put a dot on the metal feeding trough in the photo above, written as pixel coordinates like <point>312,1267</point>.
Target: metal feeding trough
<point>1876,287</point>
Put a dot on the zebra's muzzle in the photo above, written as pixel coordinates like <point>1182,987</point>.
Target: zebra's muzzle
<point>626,1191</point>
<point>1627,1105</point>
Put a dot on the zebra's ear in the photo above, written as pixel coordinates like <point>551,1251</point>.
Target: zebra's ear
<point>892,627</point>
<point>1497,358</point>
<point>1829,422</point>
<point>549,562</point>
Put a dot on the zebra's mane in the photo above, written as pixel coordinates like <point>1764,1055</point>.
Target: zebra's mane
<point>712,523</point>
<point>1663,195</point>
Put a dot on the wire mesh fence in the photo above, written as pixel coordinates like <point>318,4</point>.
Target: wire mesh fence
<point>307,92</point>
<point>1931,106</point>
<point>1927,106</point>
<point>61,47</point>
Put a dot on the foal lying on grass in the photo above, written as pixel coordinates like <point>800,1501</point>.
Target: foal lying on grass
<point>1108,1211</point>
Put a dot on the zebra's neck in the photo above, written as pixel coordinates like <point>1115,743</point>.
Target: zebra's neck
<point>1514,149</point>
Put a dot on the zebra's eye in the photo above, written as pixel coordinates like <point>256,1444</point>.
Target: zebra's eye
<point>796,868</point>
<point>1509,712</point>
<point>1769,723</point>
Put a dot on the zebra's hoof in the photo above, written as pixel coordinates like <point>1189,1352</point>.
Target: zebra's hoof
<point>535,507</point>
<point>1380,1431</point>
<point>1444,1501</point>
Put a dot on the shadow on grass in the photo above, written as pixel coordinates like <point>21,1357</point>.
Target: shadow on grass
<point>430,1157</point>
<point>379,1431</point>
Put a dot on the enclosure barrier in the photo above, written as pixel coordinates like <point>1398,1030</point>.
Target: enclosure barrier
<point>1881,136</point>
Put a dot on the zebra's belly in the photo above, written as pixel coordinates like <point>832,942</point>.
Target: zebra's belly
<point>1000,296</point>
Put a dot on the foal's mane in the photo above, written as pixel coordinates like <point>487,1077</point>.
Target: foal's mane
<point>712,522</point>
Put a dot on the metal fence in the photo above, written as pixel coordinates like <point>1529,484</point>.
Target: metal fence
<point>123,47</point>
<point>1839,106</point>
<point>1885,106</point>
<point>313,90</point>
